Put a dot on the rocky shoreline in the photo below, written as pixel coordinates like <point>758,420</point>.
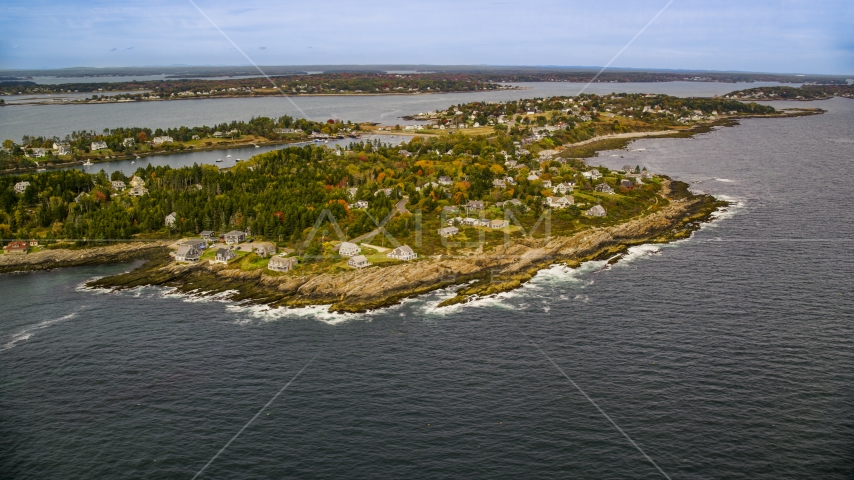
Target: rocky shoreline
<point>502,269</point>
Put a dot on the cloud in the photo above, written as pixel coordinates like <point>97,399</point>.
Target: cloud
<point>262,48</point>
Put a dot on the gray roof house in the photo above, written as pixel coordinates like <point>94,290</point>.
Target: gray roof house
<point>596,211</point>
<point>118,185</point>
<point>199,244</point>
<point>187,253</point>
<point>208,235</point>
<point>282,264</point>
<point>449,231</point>
<point>475,205</point>
<point>170,219</point>
<point>347,249</point>
<point>605,188</point>
<point>445,181</point>
<point>560,202</point>
<point>264,249</point>
<point>359,261</point>
<point>403,252</point>
<point>223,255</point>
<point>234,236</point>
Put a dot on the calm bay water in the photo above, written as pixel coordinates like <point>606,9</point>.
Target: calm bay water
<point>728,355</point>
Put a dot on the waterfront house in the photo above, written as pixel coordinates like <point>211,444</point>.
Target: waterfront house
<point>403,252</point>
<point>21,187</point>
<point>63,149</point>
<point>98,145</point>
<point>187,253</point>
<point>136,181</point>
<point>34,242</point>
<point>361,204</point>
<point>347,249</point>
<point>448,231</point>
<point>208,235</point>
<point>626,183</point>
<point>627,168</point>
<point>475,205</point>
<point>223,255</point>
<point>264,249</point>
<point>128,142</point>
<point>497,223</point>
<point>604,188</point>
<point>170,219</point>
<point>359,261</point>
<point>118,185</point>
<point>16,247</point>
<point>194,242</point>
<point>161,140</point>
<point>282,264</point>
<point>234,236</point>
<point>592,174</point>
<point>37,152</point>
<point>596,211</point>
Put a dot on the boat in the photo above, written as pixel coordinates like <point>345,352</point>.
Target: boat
<point>228,156</point>
<point>218,160</point>
<point>132,162</point>
<point>87,162</point>
<point>41,169</point>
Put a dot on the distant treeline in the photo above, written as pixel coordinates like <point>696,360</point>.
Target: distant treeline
<point>806,92</point>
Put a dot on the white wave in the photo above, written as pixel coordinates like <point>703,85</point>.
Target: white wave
<point>725,180</point>
<point>27,332</point>
<point>264,313</point>
<point>637,252</point>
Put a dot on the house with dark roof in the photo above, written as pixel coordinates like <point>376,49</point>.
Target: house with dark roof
<point>403,252</point>
<point>223,255</point>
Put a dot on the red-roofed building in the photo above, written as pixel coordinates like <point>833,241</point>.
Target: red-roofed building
<point>16,247</point>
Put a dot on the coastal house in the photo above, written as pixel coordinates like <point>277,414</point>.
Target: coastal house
<point>21,187</point>
<point>592,174</point>
<point>161,140</point>
<point>514,202</point>
<point>533,177</point>
<point>560,202</point>
<point>385,191</point>
<point>208,235</point>
<point>563,188</point>
<point>234,236</point>
<point>187,253</point>
<point>474,205</point>
<point>604,188</point>
<point>448,231</point>
<point>217,134</point>
<point>626,183</point>
<point>468,221</point>
<point>646,175</point>
<point>264,249</point>
<point>34,242</point>
<point>596,211</point>
<point>498,183</point>
<point>62,149</point>
<point>136,181</point>
<point>16,247</point>
<point>170,219</point>
<point>509,181</point>
<point>450,210</point>
<point>403,252</point>
<point>445,181</point>
<point>359,261</point>
<point>196,243</point>
<point>347,249</point>
<point>128,142</point>
<point>361,204</point>
<point>223,255</point>
<point>497,223</point>
<point>118,185</point>
<point>282,264</point>
<point>547,184</point>
<point>352,192</point>
<point>98,145</point>
<point>628,168</point>
<point>37,152</point>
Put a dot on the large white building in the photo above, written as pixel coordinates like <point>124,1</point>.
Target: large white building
<point>348,249</point>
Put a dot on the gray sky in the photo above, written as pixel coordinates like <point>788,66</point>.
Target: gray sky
<point>755,35</point>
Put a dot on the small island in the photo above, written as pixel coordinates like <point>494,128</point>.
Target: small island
<point>484,196</point>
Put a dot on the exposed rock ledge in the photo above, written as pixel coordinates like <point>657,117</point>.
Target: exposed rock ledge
<point>503,268</point>
<point>55,258</point>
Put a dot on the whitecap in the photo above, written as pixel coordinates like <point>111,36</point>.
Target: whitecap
<point>27,332</point>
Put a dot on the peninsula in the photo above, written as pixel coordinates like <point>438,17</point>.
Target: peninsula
<point>485,195</point>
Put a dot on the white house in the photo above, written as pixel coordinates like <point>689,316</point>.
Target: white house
<point>282,264</point>
<point>118,185</point>
<point>449,231</point>
<point>21,187</point>
<point>128,142</point>
<point>533,177</point>
<point>223,255</point>
<point>560,202</point>
<point>138,191</point>
<point>563,188</point>
<point>161,140</point>
<point>99,145</point>
<point>234,236</point>
<point>170,219</point>
<point>187,253</point>
<point>264,249</point>
<point>592,174</point>
<point>497,223</point>
<point>62,149</point>
<point>596,211</point>
<point>136,181</point>
<point>361,204</point>
<point>359,261</point>
<point>445,181</point>
<point>352,191</point>
<point>37,152</point>
<point>347,249</point>
<point>402,253</point>
<point>498,183</point>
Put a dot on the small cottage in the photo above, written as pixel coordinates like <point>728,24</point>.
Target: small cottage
<point>604,188</point>
<point>16,247</point>
<point>282,264</point>
<point>187,253</point>
<point>234,236</point>
<point>347,249</point>
<point>596,211</point>
<point>448,231</point>
<point>264,249</point>
<point>223,255</point>
<point>403,252</point>
<point>359,261</point>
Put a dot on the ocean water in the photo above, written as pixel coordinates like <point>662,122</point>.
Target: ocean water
<point>726,355</point>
